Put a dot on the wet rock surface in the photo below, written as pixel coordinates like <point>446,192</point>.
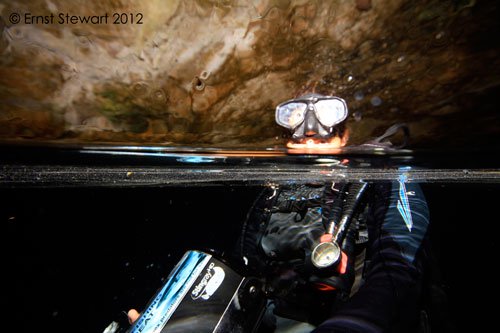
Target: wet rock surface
<point>210,73</point>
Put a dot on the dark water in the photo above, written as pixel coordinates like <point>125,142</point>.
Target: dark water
<point>78,257</point>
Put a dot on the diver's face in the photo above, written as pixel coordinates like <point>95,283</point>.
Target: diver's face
<point>312,119</point>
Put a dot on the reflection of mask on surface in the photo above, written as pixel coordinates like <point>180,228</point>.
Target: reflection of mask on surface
<point>312,115</point>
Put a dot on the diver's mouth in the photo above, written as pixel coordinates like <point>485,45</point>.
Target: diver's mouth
<point>315,143</point>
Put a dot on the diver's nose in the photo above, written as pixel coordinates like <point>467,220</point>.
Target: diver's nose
<point>310,124</point>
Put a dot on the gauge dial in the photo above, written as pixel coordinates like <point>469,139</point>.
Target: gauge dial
<point>325,254</point>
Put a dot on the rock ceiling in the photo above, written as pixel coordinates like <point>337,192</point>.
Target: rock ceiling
<point>210,73</point>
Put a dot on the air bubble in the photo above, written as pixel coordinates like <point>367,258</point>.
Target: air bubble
<point>205,75</point>
<point>376,101</point>
<point>349,79</point>
<point>198,83</point>
<point>159,96</point>
<point>140,89</point>
<point>440,39</point>
<point>358,95</point>
<point>357,115</point>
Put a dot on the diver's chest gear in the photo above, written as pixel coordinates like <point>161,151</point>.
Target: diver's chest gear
<point>301,214</point>
<point>295,221</point>
<point>311,115</point>
<point>284,227</point>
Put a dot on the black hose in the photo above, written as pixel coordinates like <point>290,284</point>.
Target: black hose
<point>353,199</point>
<point>336,209</point>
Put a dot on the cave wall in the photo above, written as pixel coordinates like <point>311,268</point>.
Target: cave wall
<point>210,73</point>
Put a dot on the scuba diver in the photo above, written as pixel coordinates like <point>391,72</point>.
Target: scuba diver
<point>341,257</point>
<point>369,280</point>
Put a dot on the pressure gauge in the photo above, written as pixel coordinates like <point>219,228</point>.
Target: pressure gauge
<point>325,254</point>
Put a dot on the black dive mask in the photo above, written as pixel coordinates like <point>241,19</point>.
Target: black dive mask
<point>311,115</point>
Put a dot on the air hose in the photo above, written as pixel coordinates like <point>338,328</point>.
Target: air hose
<point>328,253</point>
<point>353,198</point>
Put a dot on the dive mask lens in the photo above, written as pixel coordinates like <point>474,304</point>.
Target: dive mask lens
<point>290,115</point>
<point>330,111</point>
